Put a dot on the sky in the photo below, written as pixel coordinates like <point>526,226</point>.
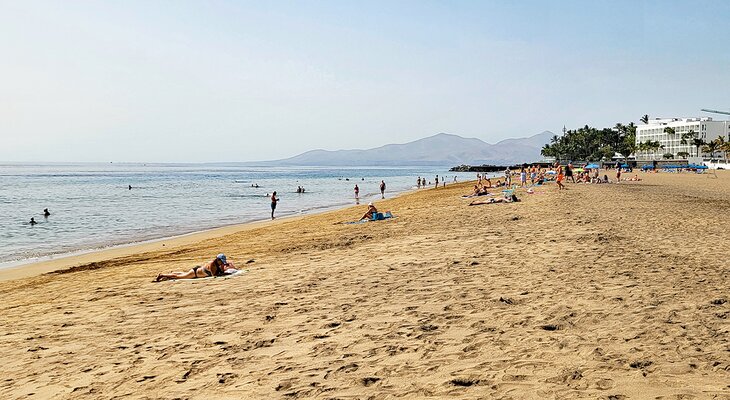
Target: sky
<point>227,81</point>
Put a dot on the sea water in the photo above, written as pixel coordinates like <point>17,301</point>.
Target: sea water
<point>92,206</point>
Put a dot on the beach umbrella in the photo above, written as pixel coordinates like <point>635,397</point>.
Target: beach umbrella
<point>551,172</point>
<point>591,166</point>
<point>624,165</point>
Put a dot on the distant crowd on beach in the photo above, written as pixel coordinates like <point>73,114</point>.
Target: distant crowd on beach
<point>484,191</point>
<point>533,176</point>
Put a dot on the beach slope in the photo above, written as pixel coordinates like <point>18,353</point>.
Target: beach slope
<point>602,291</point>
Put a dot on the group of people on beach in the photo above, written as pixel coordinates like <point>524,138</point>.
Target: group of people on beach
<point>382,190</point>
<point>536,176</point>
<point>422,183</point>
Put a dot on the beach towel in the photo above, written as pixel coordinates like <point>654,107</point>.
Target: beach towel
<point>376,217</point>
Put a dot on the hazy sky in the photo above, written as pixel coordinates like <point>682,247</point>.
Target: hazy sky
<point>177,81</point>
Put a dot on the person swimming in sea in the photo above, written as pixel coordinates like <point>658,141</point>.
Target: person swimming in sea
<point>46,213</point>
<point>32,221</point>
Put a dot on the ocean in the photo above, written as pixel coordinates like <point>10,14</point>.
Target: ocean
<point>93,208</point>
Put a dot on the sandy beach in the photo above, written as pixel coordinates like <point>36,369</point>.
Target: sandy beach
<point>616,291</point>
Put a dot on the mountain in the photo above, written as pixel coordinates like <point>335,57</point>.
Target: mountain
<point>440,149</point>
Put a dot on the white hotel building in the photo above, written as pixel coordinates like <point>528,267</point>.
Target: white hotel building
<point>705,128</point>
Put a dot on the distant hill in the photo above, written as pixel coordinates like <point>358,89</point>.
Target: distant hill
<point>440,149</point>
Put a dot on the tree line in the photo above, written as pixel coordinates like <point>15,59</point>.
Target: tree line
<point>593,144</point>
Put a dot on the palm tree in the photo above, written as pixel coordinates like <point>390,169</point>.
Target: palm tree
<point>645,119</point>
<point>721,144</point>
<point>711,147</point>
<point>650,145</point>
<point>725,148</point>
<point>697,143</point>
<point>668,156</point>
<point>629,146</point>
<point>686,136</point>
<point>683,154</point>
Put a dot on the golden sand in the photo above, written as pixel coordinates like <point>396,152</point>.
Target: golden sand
<point>602,291</point>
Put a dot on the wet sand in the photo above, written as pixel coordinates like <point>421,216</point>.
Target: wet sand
<point>601,291</point>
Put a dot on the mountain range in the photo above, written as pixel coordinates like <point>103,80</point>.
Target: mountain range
<point>441,149</point>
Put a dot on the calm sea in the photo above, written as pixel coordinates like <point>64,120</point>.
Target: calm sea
<point>92,206</point>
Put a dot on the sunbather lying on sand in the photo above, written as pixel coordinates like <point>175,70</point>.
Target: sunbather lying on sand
<point>219,266</point>
<point>478,191</point>
<point>509,199</point>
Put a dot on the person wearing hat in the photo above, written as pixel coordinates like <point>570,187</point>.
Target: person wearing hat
<point>219,266</point>
<point>371,211</point>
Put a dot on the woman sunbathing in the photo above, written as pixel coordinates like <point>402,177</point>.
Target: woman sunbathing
<point>478,191</point>
<point>218,267</point>
<point>370,212</point>
<point>506,199</point>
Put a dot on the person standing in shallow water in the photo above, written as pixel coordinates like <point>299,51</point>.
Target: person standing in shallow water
<point>274,200</point>
<point>382,189</point>
<point>357,192</point>
<point>46,213</point>
<point>32,221</point>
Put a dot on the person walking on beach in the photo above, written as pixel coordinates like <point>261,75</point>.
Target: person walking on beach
<point>418,182</point>
<point>274,200</point>
<point>560,178</point>
<point>523,177</point>
<point>618,173</point>
<point>569,172</point>
<point>382,189</point>
<point>357,192</point>
<point>437,181</point>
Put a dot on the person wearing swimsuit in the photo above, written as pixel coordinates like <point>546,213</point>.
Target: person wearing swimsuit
<point>560,178</point>
<point>216,267</point>
<point>274,200</point>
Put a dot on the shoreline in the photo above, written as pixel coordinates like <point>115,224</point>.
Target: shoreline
<point>62,261</point>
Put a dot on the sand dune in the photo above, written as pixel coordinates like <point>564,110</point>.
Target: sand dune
<point>601,291</point>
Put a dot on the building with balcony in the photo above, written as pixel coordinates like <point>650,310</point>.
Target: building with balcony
<point>671,139</point>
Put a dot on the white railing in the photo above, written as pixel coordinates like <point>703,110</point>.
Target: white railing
<point>717,164</point>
